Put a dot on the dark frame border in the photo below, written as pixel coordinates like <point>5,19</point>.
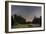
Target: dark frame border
<point>6,16</point>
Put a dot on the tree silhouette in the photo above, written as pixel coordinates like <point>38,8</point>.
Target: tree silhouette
<point>12,21</point>
<point>18,20</point>
<point>37,20</point>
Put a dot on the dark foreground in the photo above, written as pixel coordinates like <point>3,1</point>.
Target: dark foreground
<point>26,25</point>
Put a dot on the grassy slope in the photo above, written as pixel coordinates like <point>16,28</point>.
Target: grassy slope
<point>22,26</point>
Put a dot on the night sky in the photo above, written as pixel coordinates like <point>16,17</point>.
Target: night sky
<point>28,12</point>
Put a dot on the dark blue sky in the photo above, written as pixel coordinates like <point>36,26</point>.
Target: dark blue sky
<point>26,10</point>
